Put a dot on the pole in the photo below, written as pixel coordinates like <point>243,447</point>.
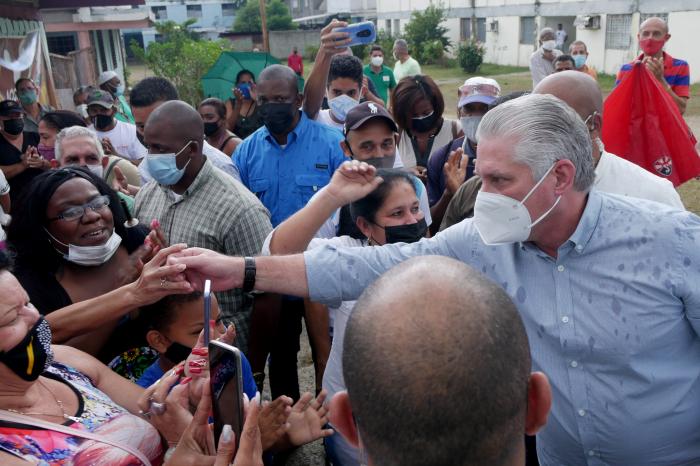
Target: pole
<point>263,24</point>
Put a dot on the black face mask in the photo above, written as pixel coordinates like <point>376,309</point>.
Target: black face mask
<point>103,121</point>
<point>14,126</point>
<point>210,127</point>
<point>423,125</point>
<point>177,352</point>
<point>376,162</point>
<point>278,117</point>
<point>30,357</point>
<point>411,233</point>
<point>139,136</point>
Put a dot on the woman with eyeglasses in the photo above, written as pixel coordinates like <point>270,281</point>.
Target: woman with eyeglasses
<point>417,107</point>
<point>81,266</point>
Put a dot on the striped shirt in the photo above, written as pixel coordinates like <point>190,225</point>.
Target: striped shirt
<point>676,72</point>
<point>218,213</point>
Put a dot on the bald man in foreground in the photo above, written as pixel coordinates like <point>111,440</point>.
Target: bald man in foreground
<point>197,203</point>
<point>613,174</point>
<point>438,370</point>
<point>672,73</point>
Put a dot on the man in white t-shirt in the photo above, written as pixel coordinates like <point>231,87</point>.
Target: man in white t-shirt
<point>121,136</point>
<point>560,36</point>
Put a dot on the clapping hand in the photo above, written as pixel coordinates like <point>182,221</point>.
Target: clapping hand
<point>353,180</point>
<point>455,170</point>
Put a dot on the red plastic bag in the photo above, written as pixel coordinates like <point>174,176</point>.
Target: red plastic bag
<point>643,125</point>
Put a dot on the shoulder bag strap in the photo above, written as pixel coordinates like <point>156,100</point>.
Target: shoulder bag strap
<point>29,421</point>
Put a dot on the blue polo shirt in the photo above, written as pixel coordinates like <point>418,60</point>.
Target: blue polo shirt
<point>284,179</point>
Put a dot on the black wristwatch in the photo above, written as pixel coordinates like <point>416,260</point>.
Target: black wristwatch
<point>249,275</point>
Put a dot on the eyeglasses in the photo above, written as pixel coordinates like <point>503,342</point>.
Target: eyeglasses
<point>77,212</point>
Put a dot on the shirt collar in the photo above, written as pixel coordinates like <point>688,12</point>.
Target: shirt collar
<point>295,133</point>
<point>588,222</point>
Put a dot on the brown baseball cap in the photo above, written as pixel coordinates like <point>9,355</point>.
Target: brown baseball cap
<point>362,113</point>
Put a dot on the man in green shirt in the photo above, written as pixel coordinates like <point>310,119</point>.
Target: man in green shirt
<point>405,64</point>
<point>380,74</point>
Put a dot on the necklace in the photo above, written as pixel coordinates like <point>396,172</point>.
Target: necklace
<point>63,414</point>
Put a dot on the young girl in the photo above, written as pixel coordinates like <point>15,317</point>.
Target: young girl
<point>173,325</point>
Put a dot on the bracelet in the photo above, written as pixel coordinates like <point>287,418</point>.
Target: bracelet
<point>169,453</point>
<point>249,275</point>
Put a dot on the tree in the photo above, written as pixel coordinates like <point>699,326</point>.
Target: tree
<point>181,57</point>
<point>425,35</point>
<point>278,17</point>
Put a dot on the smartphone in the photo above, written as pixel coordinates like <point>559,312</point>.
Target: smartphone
<point>226,382</point>
<point>360,33</point>
<point>245,90</point>
<point>207,311</point>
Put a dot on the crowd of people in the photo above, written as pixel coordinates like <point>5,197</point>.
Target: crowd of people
<point>466,284</point>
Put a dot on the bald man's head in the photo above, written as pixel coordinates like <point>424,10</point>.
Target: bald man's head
<point>279,73</point>
<point>654,22</point>
<point>577,89</point>
<point>436,362</point>
<point>178,121</point>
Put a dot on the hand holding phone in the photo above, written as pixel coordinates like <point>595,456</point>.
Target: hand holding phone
<point>360,33</point>
<point>226,380</point>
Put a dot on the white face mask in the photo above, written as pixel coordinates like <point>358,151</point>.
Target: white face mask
<point>97,170</point>
<point>501,219</point>
<point>377,61</point>
<point>341,105</point>
<point>549,45</point>
<point>90,256</point>
<point>469,126</point>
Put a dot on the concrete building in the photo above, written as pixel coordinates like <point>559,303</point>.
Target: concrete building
<point>212,17</point>
<point>508,28</point>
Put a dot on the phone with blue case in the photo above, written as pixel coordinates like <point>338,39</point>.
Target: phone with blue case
<point>360,33</point>
<point>245,90</point>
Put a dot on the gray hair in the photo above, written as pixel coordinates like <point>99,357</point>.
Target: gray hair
<point>545,130</point>
<point>77,132</point>
<point>400,43</point>
<point>545,32</point>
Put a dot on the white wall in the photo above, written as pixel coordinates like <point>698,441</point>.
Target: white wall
<point>503,46</point>
<point>683,27</point>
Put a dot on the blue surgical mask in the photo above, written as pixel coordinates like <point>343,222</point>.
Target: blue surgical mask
<point>119,91</point>
<point>28,97</point>
<point>579,60</point>
<point>163,167</point>
<point>341,105</point>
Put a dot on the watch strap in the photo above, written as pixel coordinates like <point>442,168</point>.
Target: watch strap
<point>249,275</point>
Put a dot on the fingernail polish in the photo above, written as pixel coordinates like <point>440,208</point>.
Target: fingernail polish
<point>185,380</point>
<point>195,370</point>
<point>227,433</point>
<point>200,351</point>
<point>178,370</point>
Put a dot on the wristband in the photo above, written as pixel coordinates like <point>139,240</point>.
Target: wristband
<point>249,275</point>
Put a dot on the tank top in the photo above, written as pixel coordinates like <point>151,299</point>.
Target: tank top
<point>97,414</point>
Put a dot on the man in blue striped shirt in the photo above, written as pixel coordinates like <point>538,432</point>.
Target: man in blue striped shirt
<point>607,287</point>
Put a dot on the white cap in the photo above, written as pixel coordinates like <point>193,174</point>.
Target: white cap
<point>106,76</point>
<point>478,89</point>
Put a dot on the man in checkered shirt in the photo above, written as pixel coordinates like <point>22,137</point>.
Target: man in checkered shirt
<point>198,204</point>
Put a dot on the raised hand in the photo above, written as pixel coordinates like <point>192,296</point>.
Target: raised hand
<point>455,170</point>
<point>225,272</point>
<point>353,180</point>
<point>333,42</point>
<point>158,280</point>
<point>307,419</point>
<point>273,420</point>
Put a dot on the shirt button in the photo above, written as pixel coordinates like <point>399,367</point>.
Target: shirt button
<point>581,412</point>
<point>591,453</point>
<point>565,319</point>
<point>560,268</point>
<point>574,364</point>
<point>579,248</point>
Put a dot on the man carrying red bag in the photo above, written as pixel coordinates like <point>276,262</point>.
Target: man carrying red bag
<point>672,73</point>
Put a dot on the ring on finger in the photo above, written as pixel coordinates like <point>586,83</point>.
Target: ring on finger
<point>162,282</point>
<point>145,414</point>
<point>157,408</point>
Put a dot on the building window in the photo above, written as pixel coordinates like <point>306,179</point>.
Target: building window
<point>194,11</point>
<point>397,27</point>
<point>645,16</point>
<point>228,9</point>
<point>618,32</point>
<point>528,30</point>
<point>160,12</point>
<point>387,26</point>
<point>465,29</point>
<point>61,44</point>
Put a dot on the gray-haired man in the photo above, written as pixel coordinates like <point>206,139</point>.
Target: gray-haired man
<point>606,287</point>
<point>542,59</point>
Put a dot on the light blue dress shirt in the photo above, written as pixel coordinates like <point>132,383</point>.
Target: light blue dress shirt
<point>284,179</point>
<point>613,321</point>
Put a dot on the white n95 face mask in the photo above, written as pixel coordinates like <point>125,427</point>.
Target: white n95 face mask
<point>501,219</point>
